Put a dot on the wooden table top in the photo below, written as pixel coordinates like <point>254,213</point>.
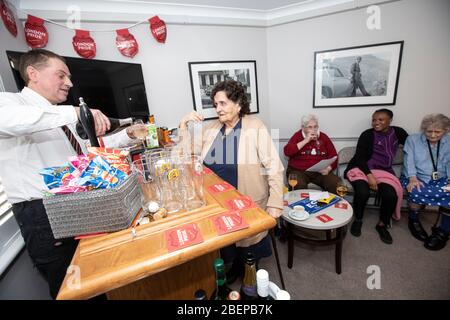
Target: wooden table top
<point>111,261</point>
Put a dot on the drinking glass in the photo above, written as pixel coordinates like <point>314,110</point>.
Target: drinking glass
<point>170,171</point>
<point>140,130</point>
<point>150,192</point>
<point>193,181</point>
<point>341,189</point>
<point>292,180</point>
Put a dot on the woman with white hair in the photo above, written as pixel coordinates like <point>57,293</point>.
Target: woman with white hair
<point>426,176</point>
<point>307,147</point>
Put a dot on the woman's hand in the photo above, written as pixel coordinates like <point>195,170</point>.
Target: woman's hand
<point>413,183</point>
<point>326,171</point>
<point>191,116</point>
<point>274,212</point>
<point>372,182</point>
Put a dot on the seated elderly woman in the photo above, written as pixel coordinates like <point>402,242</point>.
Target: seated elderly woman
<point>426,176</point>
<point>371,169</point>
<point>306,148</point>
<point>238,148</point>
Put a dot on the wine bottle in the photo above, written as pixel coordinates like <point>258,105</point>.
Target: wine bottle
<point>88,123</point>
<point>248,287</point>
<point>222,290</point>
<point>115,125</point>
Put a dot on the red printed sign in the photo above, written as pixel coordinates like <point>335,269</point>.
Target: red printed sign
<point>220,187</point>
<point>126,43</point>
<point>304,195</point>
<point>241,203</point>
<point>83,44</point>
<point>36,34</point>
<point>324,218</point>
<point>341,205</point>
<point>158,29</point>
<point>8,19</point>
<point>207,170</point>
<point>182,237</point>
<point>229,222</point>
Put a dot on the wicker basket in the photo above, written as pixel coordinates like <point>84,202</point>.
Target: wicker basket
<point>105,210</point>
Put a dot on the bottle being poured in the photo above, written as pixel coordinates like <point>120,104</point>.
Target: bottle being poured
<point>116,124</point>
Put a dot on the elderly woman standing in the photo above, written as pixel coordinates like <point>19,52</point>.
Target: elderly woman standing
<point>307,147</point>
<point>238,148</point>
<point>371,169</point>
<point>426,176</point>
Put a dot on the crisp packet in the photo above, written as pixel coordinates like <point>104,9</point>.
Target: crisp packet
<point>80,162</point>
<point>116,157</point>
<point>56,176</point>
<point>100,174</point>
<point>67,189</point>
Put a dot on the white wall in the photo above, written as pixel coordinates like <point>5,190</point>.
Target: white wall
<point>284,56</point>
<point>424,84</point>
<point>165,66</point>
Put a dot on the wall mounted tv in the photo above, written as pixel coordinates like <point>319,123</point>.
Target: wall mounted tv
<point>116,88</point>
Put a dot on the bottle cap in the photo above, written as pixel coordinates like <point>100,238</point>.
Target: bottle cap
<point>200,294</point>
<point>234,295</point>
<point>218,262</point>
<point>283,295</point>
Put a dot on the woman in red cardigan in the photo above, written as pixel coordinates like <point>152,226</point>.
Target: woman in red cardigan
<point>307,147</point>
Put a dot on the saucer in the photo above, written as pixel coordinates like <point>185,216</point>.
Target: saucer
<point>298,215</point>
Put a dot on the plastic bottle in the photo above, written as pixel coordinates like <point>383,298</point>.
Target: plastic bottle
<point>262,284</point>
<point>276,293</point>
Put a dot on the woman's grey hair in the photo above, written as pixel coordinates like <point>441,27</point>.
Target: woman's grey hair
<point>436,120</point>
<point>307,118</point>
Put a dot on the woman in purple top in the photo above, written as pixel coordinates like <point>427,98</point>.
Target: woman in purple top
<point>376,149</point>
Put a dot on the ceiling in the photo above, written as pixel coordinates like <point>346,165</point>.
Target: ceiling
<point>255,13</point>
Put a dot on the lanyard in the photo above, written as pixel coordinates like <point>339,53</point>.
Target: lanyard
<point>437,155</point>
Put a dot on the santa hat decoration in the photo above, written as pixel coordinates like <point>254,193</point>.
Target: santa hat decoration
<point>35,32</point>
<point>126,43</point>
<point>8,19</point>
<point>158,29</point>
<point>83,44</point>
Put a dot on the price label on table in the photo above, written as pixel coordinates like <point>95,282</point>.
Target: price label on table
<point>220,187</point>
<point>241,203</point>
<point>341,205</point>
<point>183,236</point>
<point>228,222</point>
<point>324,218</point>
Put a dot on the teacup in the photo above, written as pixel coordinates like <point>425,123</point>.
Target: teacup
<point>298,208</point>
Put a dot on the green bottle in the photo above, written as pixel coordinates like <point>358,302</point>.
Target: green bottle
<point>248,288</point>
<point>221,292</point>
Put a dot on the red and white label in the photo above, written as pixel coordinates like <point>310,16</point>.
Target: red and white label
<point>341,205</point>
<point>126,43</point>
<point>324,218</point>
<point>229,222</point>
<point>8,19</point>
<point>182,237</point>
<point>83,44</point>
<point>241,203</point>
<point>158,29</point>
<point>36,34</point>
<point>304,195</point>
<point>220,187</point>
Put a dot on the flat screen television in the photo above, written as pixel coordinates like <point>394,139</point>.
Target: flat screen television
<point>115,88</point>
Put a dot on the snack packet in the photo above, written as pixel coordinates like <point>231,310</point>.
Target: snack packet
<point>116,157</point>
<point>55,177</point>
<point>100,174</point>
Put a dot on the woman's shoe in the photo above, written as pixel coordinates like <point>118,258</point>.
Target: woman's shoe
<point>384,234</point>
<point>417,230</point>
<point>355,229</point>
<point>437,240</point>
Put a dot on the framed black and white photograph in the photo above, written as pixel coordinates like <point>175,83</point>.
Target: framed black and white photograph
<point>204,75</point>
<point>357,76</point>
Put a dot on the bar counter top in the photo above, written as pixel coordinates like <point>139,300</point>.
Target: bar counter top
<point>115,263</point>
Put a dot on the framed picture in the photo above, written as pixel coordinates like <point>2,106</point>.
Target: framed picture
<point>204,75</point>
<point>357,76</point>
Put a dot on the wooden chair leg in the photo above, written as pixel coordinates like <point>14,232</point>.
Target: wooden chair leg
<point>277,258</point>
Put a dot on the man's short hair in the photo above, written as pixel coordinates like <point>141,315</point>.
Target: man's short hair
<point>38,59</point>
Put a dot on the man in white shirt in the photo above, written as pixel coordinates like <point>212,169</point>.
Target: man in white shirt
<point>31,138</point>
